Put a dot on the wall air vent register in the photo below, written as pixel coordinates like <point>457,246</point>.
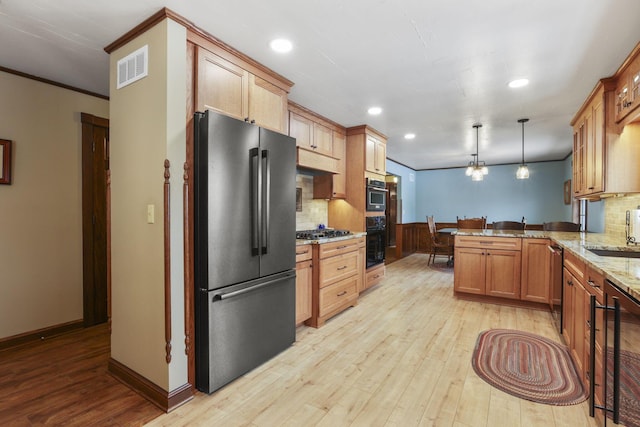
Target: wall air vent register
<point>133,67</point>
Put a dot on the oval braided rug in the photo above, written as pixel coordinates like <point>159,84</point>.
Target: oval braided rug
<point>528,366</point>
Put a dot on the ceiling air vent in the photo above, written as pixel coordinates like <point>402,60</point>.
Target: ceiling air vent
<point>133,67</point>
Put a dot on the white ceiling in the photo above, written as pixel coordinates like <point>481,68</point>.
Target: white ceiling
<point>435,67</point>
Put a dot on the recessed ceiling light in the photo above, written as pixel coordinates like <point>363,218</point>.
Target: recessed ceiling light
<point>518,83</point>
<point>374,111</point>
<point>409,136</point>
<point>281,45</point>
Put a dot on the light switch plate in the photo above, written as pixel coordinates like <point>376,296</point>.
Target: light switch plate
<point>151,214</point>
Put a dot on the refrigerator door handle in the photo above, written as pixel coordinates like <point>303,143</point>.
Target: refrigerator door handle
<point>266,197</point>
<point>228,295</point>
<point>255,201</point>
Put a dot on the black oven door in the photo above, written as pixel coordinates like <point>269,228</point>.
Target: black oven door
<point>376,199</point>
<point>375,247</point>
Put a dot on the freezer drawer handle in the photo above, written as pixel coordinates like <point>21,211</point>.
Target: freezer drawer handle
<point>220,297</point>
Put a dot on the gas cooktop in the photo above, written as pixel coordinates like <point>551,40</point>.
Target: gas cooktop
<point>321,234</point>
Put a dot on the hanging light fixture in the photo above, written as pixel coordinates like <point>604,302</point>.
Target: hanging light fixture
<point>523,170</point>
<point>476,169</point>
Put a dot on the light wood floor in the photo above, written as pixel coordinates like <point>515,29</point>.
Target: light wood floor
<point>402,357</point>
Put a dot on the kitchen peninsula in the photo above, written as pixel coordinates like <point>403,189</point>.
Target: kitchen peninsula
<point>582,292</point>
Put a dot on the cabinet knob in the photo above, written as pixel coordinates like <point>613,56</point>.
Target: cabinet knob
<point>246,119</point>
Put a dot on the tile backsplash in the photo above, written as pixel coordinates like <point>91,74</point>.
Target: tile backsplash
<point>615,209</point>
<point>314,212</point>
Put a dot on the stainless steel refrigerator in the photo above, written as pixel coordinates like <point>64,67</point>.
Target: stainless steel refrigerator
<point>244,186</point>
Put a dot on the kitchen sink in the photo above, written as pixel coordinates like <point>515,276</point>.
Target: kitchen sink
<point>615,253</point>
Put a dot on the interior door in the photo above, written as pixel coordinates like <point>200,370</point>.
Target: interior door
<point>95,165</point>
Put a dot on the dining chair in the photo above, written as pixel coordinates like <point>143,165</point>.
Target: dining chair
<point>560,226</point>
<point>508,225</point>
<point>472,223</point>
<point>438,247</point>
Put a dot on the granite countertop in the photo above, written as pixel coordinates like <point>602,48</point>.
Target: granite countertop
<point>353,235</point>
<point>623,272</point>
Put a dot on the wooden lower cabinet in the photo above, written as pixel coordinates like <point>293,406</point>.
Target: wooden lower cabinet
<point>581,282</point>
<point>304,282</point>
<point>337,278</point>
<point>536,266</point>
<point>374,275</point>
<point>487,266</point>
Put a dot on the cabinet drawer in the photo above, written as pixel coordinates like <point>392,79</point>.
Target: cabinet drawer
<point>595,283</point>
<point>507,243</point>
<point>575,265</point>
<point>374,276</point>
<point>337,268</point>
<point>335,296</point>
<point>339,247</point>
<point>303,252</point>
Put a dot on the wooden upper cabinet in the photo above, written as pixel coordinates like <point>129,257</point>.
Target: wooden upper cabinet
<point>267,104</point>
<point>376,156</point>
<point>234,87</point>
<point>628,87</point>
<point>310,134</point>
<point>221,85</point>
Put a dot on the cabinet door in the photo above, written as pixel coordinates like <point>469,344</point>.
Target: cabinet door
<point>381,158</point>
<point>301,129</point>
<point>567,307</point>
<point>580,302</point>
<point>578,183</point>
<point>469,271</point>
<point>536,266</point>
<point>322,139</point>
<point>267,104</point>
<point>370,154</point>
<point>503,273</point>
<point>595,151</point>
<point>339,179</point>
<point>304,278</point>
<point>221,85</point>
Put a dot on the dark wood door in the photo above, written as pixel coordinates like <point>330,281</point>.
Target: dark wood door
<point>95,167</point>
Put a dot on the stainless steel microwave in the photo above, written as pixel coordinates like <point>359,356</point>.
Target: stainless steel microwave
<point>376,196</point>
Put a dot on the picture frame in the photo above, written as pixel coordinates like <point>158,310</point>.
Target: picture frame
<point>5,161</point>
<point>567,192</point>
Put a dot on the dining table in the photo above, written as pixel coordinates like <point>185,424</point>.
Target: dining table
<point>449,234</point>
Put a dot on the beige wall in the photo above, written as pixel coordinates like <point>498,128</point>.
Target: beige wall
<point>147,127</point>
<point>615,210</point>
<point>41,212</point>
<point>314,211</point>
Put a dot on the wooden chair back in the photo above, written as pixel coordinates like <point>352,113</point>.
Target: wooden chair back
<point>473,223</point>
<point>508,225</point>
<point>560,226</point>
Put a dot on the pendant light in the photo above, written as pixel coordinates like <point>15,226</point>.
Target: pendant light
<point>523,170</point>
<point>476,169</point>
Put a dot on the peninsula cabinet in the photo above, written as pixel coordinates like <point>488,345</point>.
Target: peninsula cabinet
<point>223,84</point>
<point>488,266</point>
<point>536,265</point>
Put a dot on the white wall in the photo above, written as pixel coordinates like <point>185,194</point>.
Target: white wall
<point>41,211</point>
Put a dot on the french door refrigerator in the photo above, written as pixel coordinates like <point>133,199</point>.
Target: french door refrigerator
<point>244,236</point>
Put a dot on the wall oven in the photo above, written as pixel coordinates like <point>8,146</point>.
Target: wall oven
<point>376,238</point>
<point>376,196</point>
<point>621,366</point>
